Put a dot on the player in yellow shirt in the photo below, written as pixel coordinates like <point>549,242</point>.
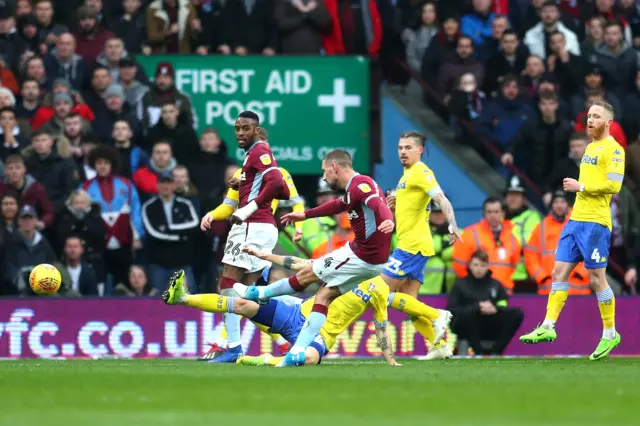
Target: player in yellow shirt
<point>285,316</point>
<point>587,235</point>
<point>404,273</point>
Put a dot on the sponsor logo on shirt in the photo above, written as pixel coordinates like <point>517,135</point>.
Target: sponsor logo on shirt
<point>590,160</point>
<point>364,188</point>
<point>402,184</point>
<point>353,215</point>
<point>617,160</point>
<point>361,294</point>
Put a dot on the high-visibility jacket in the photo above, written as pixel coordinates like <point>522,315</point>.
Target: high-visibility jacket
<point>334,243</point>
<point>539,257</point>
<point>524,225</point>
<point>317,231</point>
<point>504,253</point>
<point>438,272</point>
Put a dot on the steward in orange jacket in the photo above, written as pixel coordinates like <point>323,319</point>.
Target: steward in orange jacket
<point>540,251</point>
<point>494,235</point>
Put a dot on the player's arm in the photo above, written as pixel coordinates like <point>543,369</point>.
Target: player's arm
<point>380,301</point>
<point>224,210</point>
<point>273,183</point>
<point>447,209</point>
<point>369,195</point>
<point>288,262</point>
<point>327,209</point>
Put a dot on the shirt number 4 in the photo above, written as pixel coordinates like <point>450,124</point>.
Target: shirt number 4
<point>596,256</point>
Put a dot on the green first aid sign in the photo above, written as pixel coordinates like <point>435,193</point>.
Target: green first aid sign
<point>309,105</point>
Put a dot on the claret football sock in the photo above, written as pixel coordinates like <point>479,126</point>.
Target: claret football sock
<point>412,306</point>
<point>607,306</point>
<point>555,303</point>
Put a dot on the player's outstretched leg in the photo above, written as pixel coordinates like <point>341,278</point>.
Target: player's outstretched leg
<point>411,306</point>
<point>282,287</point>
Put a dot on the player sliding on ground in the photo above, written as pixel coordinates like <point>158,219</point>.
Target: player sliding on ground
<point>253,224</point>
<point>287,317</point>
<point>587,235</point>
<point>404,273</point>
<point>360,260</point>
<point>223,212</point>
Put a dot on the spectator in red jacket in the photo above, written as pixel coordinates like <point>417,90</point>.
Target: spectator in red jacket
<point>46,111</point>
<point>356,29</point>
<point>162,162</point>
<point>581,121</point>
<point>26,190</point>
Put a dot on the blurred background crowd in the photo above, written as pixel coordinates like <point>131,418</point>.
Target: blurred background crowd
<point>105,175</point>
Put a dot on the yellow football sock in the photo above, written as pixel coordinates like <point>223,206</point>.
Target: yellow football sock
<point>424,327</point>
<point>607,306</point>
<point>555,303</point>
<point>413,307</point>
<point>207,302</point>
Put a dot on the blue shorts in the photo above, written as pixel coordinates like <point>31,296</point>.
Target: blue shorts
<point>586,241</point>
<point>406,265</point>
<point>286,319</point>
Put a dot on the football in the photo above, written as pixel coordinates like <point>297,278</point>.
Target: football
<point>45,279</point>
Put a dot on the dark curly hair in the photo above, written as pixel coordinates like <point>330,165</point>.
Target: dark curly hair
<point>105,152</point>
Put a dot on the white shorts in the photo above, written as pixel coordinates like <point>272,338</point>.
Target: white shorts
<point>261,236</point>
<point>343,269</point>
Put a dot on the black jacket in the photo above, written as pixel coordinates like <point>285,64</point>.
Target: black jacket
<point>254,31</point>
<point>89,227</point>
<point>59,176</point>
<point>170,245</point>
<point>468,292</point>
<point>87,282</point>
<point>207,173</point>
<point>498,66</point>
<point>630,123</point>
<point>566,167</point>
<point>184,140</point>
<point>301,33</point>
<point>20,257</point>
<point>542,145</point>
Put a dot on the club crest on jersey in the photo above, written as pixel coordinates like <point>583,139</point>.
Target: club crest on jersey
<point>586,159</point>
<point>265,159</point>
<point>364,188</point>
<point>372,287</point>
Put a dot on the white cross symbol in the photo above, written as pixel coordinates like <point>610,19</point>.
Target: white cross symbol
<point>339,100</point>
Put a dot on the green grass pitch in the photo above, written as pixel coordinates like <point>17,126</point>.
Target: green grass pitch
<point>349,392</point>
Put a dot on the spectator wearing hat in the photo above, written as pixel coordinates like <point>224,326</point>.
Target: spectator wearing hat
<point>26,190</point>
<point>439,275</point>
<point>171,223</point>
<point>461,63</point>
<point>538,38</point>
<point>120,210</point>
<point>48,27</point>
<point>617,60</point>
<point>29,101</point>
<point>539,252</point>
<point>524,219</point>
<point>541,142</point>
<point>161,162</point>
<point>26,249</point>
<point>132,156</point>
<point>129,76</point>
<point>47,111</point>
<point>131,27</point>
<point>55,169</point>
<point>174,127</point>
<point>117,109</point>
<point>593,81</point>
<point>161,92</point>
<point>90,37</point>
<point>12,141</point>
<point>62,106</point>
<point>63,62</point>
<point>27,42</point>
<point>480,308</point>
<point>511,58</point>
<point>173,26</point>
<point>208,169</point>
